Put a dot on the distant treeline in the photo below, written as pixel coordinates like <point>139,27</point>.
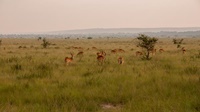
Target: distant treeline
<point>169,34</point>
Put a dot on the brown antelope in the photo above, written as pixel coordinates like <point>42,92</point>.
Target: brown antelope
<point>103,53</point>
<point>183,50</point>
<point>101,56</point>
<point>121,50</point>
<point>153,51</point>
<point>120,60</point>
<point>68,60</point>
<point>114,51</point>
<point>138,53</point>
<point>94,48</point>
<point>80,53</point>
<point>76,47</point>
<point>161,50</point>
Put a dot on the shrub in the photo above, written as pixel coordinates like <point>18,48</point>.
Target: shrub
<point>178,42</point>
<point>89,38</point>
<point>45,43</point>
<point>147,43</point>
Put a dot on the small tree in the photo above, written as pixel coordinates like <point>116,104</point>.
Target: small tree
<point>89,38</point>
<point>39,38</point>
<point>147,43</point>
<point>45,43</point>
<point>178,42</point>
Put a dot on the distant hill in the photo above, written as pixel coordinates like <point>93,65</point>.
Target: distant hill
<point>124,30</point>
<point>114,33</point>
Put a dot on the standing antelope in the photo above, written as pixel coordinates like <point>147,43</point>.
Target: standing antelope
<point>68,60</point>
<point>101,56</point>
<point>153,51</point>
<point>120,60</point>
<point>183,50</point>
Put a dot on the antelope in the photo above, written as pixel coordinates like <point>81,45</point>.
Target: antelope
<point>153,51</point>
<point>183,50</point>
<point>120,60</point>
<point>121,50</point>
<point>80,53</point>
<point>68,60</point>
<point>94,48</point>
<point>161,50</point>
<point>101,56</point>
<point>114,51</point>
<point>138,53</point>
<point>76,47</point>
<point>103,53</point>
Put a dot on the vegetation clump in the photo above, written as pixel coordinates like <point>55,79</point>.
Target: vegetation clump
<point>178,42</point>
<point>39,38</point>
<point>89,38</point>
<point>147,43</point>
<point>45,43</point>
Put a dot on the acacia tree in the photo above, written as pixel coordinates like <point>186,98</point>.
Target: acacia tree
<point>147,43</point>
<point>178,42</point>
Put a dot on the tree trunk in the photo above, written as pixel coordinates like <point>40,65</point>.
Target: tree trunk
<point>147,55</point>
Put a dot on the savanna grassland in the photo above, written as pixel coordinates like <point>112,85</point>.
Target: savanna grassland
<point>35,79</point>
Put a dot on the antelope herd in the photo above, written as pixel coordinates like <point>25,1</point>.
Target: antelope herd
<point>101,55</point>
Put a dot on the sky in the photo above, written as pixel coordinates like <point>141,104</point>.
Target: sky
<point>26,16</point>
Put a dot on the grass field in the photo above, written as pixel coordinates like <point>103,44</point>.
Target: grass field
<point>34,79</point>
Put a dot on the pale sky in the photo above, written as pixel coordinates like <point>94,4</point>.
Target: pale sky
<point>22,16</point>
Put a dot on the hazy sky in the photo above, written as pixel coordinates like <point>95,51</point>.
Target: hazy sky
<point>21,16</point>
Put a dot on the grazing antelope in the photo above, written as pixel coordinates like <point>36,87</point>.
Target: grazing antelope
<point>183,50</point>
<point>76,47</point>
<point>80,53</point>
<point>94,48</point>
<point>161,50</point>
<point>121,50</point>
<point>138,53</point>
<point>68,60</point>
<point>120,60</point>
<point>114,51</point>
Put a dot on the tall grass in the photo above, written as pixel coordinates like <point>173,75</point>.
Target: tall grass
<point>38,80</point>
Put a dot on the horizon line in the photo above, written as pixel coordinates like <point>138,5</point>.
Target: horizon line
<point>97,28</point>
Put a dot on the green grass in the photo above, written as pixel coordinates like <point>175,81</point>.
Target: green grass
<point>36,79</point>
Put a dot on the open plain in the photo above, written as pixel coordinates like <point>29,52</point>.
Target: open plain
<point>33,78</point>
